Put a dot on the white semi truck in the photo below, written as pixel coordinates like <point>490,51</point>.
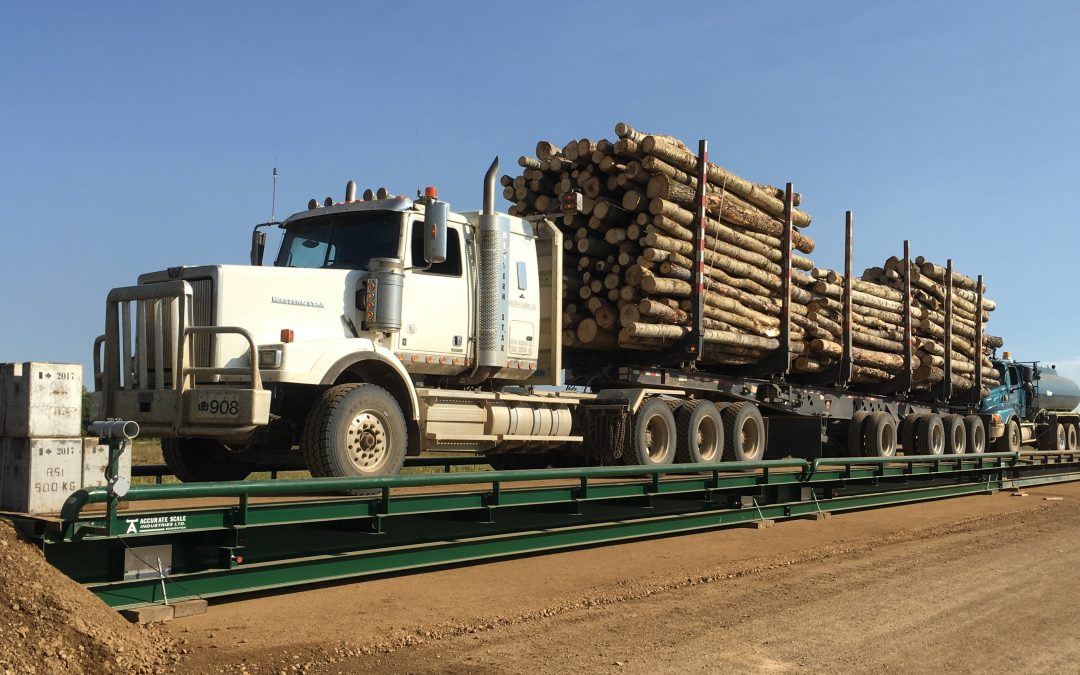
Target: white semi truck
<point>385,326</point>
<point>388,326</point>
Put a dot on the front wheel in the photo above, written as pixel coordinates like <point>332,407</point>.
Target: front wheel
<point>355,430</point>
<point>1010,440</point>
<point>201,460</point>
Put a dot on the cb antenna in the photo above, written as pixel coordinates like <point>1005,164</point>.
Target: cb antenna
<point>273,193</point>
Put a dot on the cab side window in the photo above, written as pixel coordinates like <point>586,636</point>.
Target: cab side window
<point>451,267</point>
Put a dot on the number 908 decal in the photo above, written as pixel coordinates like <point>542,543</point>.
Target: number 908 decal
<point>214,404</point>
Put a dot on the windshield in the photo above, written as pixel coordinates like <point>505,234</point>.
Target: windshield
<point>341,240</point>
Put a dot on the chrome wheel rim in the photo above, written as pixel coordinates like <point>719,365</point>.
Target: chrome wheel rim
<point>959,439</point>
<point>888,440</point>
<point>657,438</point>
<point>708,437</point>
<point>937,440</point>
<point>978,440</point>
<point>750,439</point>
<point>368,441</point>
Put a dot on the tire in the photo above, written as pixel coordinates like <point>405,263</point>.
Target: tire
<point>879,435</point>
<point>1010,440</point>
<point>931,435</point>
<point>744,432</point>
<point>201,460</point>
<point>700,433</point>
<point>353,431</point>
<point>955,434</point>
<point>653,436</point>
<point>1054,439</point>
<point>909,434</point>
<point>856,427</point>
<point>976,434</point>
<point>1070,437</point>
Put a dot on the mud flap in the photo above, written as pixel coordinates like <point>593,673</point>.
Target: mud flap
<point>605,428</point>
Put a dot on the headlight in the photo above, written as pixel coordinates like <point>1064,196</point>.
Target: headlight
<point>270,357</point>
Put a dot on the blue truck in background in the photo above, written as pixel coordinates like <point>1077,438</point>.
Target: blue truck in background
<point>1033,405</point>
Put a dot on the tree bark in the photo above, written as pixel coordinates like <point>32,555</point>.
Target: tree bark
<point>681,158</point>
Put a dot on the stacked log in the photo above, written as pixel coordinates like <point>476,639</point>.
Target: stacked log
<point>629,253</point>
<point>929,318</point>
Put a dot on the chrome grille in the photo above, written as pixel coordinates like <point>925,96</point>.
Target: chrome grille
<point>161,346</point>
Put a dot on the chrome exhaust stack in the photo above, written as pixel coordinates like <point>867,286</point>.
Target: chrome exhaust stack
<point>489,188</point>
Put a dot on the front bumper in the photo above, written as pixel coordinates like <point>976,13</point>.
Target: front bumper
<point>210,411</point>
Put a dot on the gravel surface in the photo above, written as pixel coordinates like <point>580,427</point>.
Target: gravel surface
<point>969,584</point>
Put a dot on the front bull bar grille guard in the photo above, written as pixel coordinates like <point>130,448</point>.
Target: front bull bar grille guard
<point>128,359</point>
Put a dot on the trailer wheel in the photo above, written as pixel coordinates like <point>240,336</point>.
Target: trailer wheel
<point>1070,437</point>
<point>879,435</point>
<point>955,434</point>
<point>652,438</point>
<point>909,434</point>
<point>855,433</point>
<point>1010,440</point>
<point>976,434</point>
<point>744,432</point>
<point>700,433</point>
<point>931,436</point>
<point>355,430</point>
<point>1054,438</point>
<point>200,460</point>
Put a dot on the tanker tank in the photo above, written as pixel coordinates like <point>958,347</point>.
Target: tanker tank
<point>1057,392</point>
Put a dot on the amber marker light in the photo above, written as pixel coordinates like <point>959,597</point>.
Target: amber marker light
<point>287,335</point>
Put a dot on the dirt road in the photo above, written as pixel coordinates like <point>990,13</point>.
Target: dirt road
<point>970,584</point>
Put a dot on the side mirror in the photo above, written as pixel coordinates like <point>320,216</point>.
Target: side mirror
<point>258,242</point>
<point>435,215</point>
<point>258,246</point>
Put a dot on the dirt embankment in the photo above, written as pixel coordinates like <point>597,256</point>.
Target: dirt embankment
<point>49,624</point>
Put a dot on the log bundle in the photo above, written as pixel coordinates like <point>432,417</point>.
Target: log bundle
<point>629,256</point>
<point>929,297</point>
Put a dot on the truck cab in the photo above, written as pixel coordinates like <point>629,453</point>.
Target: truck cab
<point>1032,405</point>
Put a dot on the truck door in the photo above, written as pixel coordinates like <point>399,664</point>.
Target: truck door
<point>1017,392</point>
<point>436,309</point>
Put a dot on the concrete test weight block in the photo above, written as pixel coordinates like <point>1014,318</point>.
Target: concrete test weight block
<point>41,400</point>
<point>95,460</point>
<point>40,473</point>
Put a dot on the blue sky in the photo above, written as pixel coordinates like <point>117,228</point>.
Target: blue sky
<point>138,136</point>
